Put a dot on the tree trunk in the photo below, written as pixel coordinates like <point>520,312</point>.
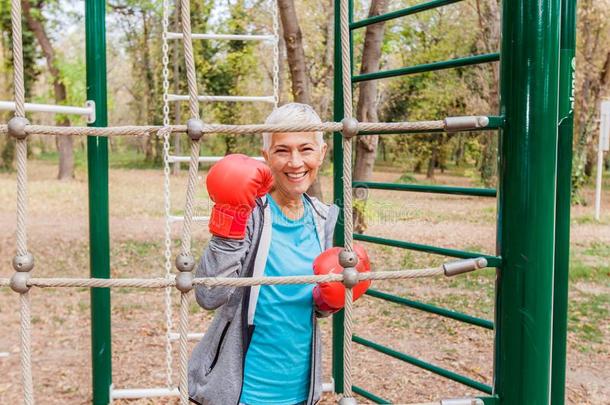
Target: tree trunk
<point>366,111</point>
<point>64,142</point>
<point>149,80</point>
<point>489,22</point>
<point>295,53</point>
<point>585,154</point>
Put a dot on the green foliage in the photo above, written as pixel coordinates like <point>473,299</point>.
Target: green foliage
<point>406,178</point>
<point>31,52</point>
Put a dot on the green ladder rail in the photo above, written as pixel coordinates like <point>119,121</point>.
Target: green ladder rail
<point>99,234</point>
<point>429,67</point>
<point>447,313</point>
<point>401,13</point>
<point>421,188</point>
<point>487,400</point>
<point>424,365</point>
<point>369,395</point>
<point>528,191</point>
<point>492,261</point>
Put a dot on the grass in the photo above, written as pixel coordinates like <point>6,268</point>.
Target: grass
<point>116,160</point>
<point>587,319</point>
<point>591,264</point>
<point>410,216</point>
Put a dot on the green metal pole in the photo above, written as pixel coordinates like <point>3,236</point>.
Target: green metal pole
<point>338,111</point>
<point>97,163</point>
<point>529,102</point>
<point>564,192</point>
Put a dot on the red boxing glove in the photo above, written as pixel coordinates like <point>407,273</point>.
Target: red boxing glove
<point>331,296</point>
<point>233,184</point>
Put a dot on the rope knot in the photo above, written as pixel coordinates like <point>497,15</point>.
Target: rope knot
<point>185,263</point>
<point>348,258</point>
<point>194,129</point>
<point>23,263</point>
<point>350,127</point>
<point>19,282</point>
<point>350,277</point>
<point>184,281</point>
<point>16,127</point>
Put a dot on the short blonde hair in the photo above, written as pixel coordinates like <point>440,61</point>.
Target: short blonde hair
<point>292,113</point>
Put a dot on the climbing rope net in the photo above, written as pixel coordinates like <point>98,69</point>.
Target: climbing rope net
<point>168,158</point>
<point>183,280</point>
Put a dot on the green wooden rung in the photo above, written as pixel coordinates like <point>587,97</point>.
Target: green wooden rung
<point>420,188</point>
<point>492,261</point>
<point>428,67</point>
<point>369,395</point>
<point>424,365</point>
<point>401,13</point>
<point>447,313</point>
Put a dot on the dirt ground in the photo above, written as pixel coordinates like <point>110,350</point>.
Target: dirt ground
<point>58,237</point>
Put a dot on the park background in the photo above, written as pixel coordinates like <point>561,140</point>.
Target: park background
<point>54,51</point>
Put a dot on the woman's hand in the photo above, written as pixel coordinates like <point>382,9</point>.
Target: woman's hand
<point>330,297</point>
<point>233,184</point>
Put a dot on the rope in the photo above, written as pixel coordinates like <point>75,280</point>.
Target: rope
<point>22,196</point>
<point>18,58</point>
<point>26,344</point>
<point>189,59</point>
<point>347,344</point>
<point>22,150</point>
<point>346,75</point>
<point>101,282</point>
<point>183,330</point>
<point>210,282</point>
<point>249,129</point>
<point>190,198</point>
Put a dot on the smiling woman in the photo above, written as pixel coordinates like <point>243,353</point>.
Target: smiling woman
<point>263,346</point>
<point>294,158</point>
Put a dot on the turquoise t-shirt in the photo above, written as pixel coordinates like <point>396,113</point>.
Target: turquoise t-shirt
<point>277,365</point>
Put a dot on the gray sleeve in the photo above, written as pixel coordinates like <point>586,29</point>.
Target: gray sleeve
<point>222,257</point>
<point>330,224</point>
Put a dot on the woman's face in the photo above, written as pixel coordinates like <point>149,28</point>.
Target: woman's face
<point>294,159</point>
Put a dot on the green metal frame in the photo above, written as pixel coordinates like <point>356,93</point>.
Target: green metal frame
<point>424,365</point>
<point>564,192</point>
<point>447,313</point>
<point>492,261</point>
<point>429,67</point>
<point>529,101</point>
<point>532,260</point>
<point>99,238</point>
<point>420,188</point>
<point>533,235</point>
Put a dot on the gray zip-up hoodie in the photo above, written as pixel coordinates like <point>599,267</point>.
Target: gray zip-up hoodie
<point>215,374</point>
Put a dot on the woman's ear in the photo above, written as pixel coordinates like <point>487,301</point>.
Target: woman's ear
<point>323,152</point>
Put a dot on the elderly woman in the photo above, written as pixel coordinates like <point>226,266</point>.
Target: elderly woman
<point>263,346</point>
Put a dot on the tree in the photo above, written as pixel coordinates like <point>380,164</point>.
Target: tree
<point>295,53</point>
<point>366,111</point>
<point>140,22</point>
<point>35,21</point>
<point>293,38</point>
<point>592,82</point>
<point>488,79</point>
<point>31,73</point>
